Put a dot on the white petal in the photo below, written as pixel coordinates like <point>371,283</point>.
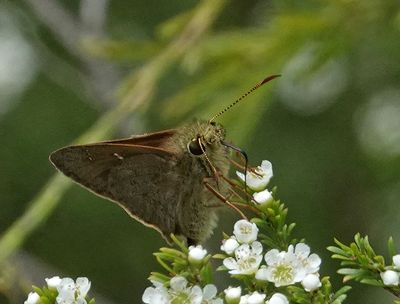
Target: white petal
<point>209,291</point>
<point>230,263</point>
<point>196,295</point>
<point>240,175</point>
<point>148,294</point>
<point>302,250</point>
<point>278,298</point>
<point>243,299</point>
<point>66,291</point>
<point>242,251</point>
<point>33,298</point>
<point>83,284</point>
<point>80,300</point>
<point>256,248</point>
<point>313,262</point>
<point>178,283</point>
<point>272,256</point>
<point>258,260</point>
<point>390,278</point>
<point>396,261</point>
<point>311,282</point>
<point>262,273</point>
<point>267,168</point>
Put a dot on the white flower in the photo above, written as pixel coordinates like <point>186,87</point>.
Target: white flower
<point>259,180</point>
<point>70,292</point>
<point>278,298</point>
<point>53,282</point>
<point>396,261</point>
<point>209,295</point>
<point>311,262</point>
<point>196,254</point>
<point>180,292</point>
<point>390,278</point>
<point>157,295</point>
<point>263,198</point>
<point>33,298</point>
<point>232,295</point>
<point>311,282</point>
<point>254,298</point>
<point>245,231</point>
<point>247,259</point>
<point>283,268</point>
<point>229,245</point>
<point>183,294</point>
<point>262,273</point>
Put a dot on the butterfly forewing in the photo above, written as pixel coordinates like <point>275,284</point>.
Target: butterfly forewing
<point>136,176</point>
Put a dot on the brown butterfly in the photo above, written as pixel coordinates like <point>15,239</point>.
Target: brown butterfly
<point>166,180</point>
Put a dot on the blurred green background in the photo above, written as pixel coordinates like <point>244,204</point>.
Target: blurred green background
<point>330,125</point>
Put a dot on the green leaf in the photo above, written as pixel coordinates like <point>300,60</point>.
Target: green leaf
<point>219,256</point>
<point>159,277</point>
<point>391,247</point>
<point>341,291</point>
<point>338,251</point>
<point>372,282</point>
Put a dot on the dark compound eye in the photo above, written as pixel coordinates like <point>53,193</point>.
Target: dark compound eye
<point>194,147</point>
<point>213,123</point>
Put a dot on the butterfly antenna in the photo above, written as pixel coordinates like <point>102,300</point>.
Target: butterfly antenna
<point>269,78</point>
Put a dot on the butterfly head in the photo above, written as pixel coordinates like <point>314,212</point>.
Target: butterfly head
<point>208,136</point>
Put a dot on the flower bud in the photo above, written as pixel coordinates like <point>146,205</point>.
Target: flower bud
<point>196,254</point>
<point>311,282</point>
<point>229,245</point>
<point>232,295</point>
<point>53,282</point>
<point>390,278</point>
<point>278,298</point>
<point>263,198</point>
<point>33,298</point>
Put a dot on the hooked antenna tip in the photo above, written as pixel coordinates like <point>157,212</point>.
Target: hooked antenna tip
<point>269,78</point>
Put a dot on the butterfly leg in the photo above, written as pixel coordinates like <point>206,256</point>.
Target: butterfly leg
<point>232,188</point>
<point>224,199</point>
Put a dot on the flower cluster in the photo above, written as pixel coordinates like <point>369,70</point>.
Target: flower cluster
<point>391,277</point>
<point>257,180</point>
<point>180,292</point>
<point>282,268</point>
<point>247,251</point>
<point>65,291</point>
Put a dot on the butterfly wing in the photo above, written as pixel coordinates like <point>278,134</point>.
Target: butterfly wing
<point>139,178</point>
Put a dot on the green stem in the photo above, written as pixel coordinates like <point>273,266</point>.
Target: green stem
<point>135,97</point>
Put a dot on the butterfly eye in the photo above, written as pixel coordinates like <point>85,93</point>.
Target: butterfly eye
<point>194,147</point>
